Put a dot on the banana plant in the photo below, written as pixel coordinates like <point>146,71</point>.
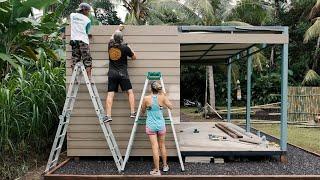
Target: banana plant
<point>21,34</point>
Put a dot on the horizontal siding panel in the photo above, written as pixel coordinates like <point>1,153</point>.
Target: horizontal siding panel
<point>115,112</point>
<point>139,39</point>
<point>122,96</point>
<point>133,30</point>
<point>133,79</point>
<point>134,71</point>
<point>137,47</point>
<point>140,55</point>
<point>136,63</point>
<point>102,144</point>
<point>157,50</point>
<point>91,119</point>
<point>137,87</point>
<point>119,136</point>
<point>135,39</point>
<point>116,128</point>
<point>106,152</point>
<point>116,105</point>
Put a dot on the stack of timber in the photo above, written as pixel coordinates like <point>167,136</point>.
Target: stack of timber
<point>238,133</point>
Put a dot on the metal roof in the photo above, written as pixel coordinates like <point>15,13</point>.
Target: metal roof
<point>217,44</point>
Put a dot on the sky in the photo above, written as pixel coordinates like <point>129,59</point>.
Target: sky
<point>122,10</point>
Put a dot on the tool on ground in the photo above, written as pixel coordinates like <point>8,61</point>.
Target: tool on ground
<point>215,137</point>
<point>151,76</point>
<point>66,115</point>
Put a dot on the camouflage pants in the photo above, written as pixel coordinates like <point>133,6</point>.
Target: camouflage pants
<point>81,50</point>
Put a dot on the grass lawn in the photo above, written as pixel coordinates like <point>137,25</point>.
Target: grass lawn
<point>308,138</point>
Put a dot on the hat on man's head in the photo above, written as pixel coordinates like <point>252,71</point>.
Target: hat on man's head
<point>84,6</point>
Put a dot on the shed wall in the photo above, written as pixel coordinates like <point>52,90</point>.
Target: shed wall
<point>158,49</point>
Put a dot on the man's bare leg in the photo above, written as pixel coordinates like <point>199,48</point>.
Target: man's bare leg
<point>109,102</point>
<point>131,100</point>
<point>88,69</point>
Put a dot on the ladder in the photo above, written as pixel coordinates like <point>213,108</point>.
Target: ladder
<point>152,76</point>
<point>66,114</point>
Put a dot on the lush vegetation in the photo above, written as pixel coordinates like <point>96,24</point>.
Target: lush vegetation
<point>32,81</point>
<point>32,74</point>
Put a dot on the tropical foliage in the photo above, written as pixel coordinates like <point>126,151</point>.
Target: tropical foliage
<point>32,80</point>
<point>32,58</point>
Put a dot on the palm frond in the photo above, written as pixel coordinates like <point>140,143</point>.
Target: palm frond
<point>315,11</point>
<point>311,78</point>
<point>313,32</point>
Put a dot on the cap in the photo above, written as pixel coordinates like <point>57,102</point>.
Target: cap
<point>84,6</point>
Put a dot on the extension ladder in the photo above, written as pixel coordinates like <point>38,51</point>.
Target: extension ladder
<point>152,76</point>
<point>66,113</point>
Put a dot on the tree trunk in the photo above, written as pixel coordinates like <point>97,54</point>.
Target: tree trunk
<point>316,57</point>
<point>272,57</point>
<point>212,93</point>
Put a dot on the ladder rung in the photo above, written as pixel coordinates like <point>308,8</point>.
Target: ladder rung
<point>58,148</point>
<point>61,135</point>
<point>66,122</point>
<point>54,161</point>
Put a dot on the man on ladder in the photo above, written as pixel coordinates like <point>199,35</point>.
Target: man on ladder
<point>80,25</point>
<point>79,41</point>
<point>118,71</point>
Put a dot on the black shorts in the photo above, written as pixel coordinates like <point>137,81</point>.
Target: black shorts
<point>114,82</point>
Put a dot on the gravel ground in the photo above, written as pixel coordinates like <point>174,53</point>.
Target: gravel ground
<point>299,163</point>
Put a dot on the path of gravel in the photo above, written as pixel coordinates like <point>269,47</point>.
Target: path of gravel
<point>299,163</point>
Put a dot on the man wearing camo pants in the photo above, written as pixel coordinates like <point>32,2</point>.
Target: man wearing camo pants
<point>80,25</point>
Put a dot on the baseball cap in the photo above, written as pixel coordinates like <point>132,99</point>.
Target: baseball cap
<point>84,6</point>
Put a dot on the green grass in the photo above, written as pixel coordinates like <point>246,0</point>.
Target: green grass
<point>308,138</point>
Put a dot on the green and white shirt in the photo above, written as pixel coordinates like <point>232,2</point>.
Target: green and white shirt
<point>80,25</point>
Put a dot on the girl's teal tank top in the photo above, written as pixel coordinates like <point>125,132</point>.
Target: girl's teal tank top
<point>155,121</point>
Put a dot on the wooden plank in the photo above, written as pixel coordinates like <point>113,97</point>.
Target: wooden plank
<point>140,56</point>
<point>102,144</point>
<point>104,152</point>
<point>80,104</point>
<point>177,177</point>
<point>134,71</point>
<point>159,30</point>
<point>90,112</point>
<point>152,47</point>
<point>138,39</point>
<point>123,96</point>
<point>123,136</point>
<point>225,38</point>
<point>136,64</point>
<point>134,79</point>
<point>115,128</point>
<point>137,87</point>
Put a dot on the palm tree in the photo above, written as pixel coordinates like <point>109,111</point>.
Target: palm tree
<point>312,33</point>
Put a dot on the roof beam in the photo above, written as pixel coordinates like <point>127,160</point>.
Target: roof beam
<point>235,38</point>
<point>205,53</point>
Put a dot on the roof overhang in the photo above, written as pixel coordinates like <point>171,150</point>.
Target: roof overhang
<point>217,44</point>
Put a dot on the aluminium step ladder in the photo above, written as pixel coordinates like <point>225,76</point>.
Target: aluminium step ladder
<point>151,76</point>
<point>66,114</point>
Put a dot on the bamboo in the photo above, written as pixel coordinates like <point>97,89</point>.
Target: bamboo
<point>304,104</point>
